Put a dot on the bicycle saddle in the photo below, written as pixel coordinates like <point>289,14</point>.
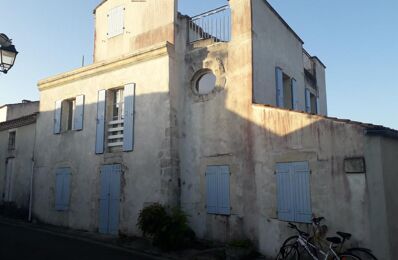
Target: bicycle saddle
<point>344,235</point>
<point>317,220</point>
<point>334,240</point>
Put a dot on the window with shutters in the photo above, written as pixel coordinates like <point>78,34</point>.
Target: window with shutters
<point>69,115</point>
<point>12,135</point>
<point>62,189</point>
<point>115,21</point>
<point>293,192</point>
<point>115,120</point>
<point>311,101</point>
<point>286,90</point>
<point>217,190</point>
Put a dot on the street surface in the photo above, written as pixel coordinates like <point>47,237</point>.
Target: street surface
<point>24,243</point>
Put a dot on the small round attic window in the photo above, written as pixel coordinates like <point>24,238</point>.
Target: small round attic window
<point>206,83</point>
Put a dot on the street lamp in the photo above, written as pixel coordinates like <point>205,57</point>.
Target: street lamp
<point>8,53</point>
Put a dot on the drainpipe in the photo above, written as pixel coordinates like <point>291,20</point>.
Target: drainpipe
<point>32,173</point>
<point>31,190</point>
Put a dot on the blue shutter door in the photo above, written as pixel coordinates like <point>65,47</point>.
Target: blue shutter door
<point>57,117</point>
<point>66,176</point>
<point>128,134</point>
<point>295,99</point>
<point>114,200</point>
<point>223,197</point>
<point>79,113</point>
<point>59,189</point>
<point>110,199</point>
<point>279,87</point>
<point>211,190</point>
<point>106,171</point>
<point>100,132</point>
<point>307,101</point>
<point>302,196</point>
<point>285,195</point>
<point>318,109</point>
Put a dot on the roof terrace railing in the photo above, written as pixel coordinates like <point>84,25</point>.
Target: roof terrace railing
<point>214,24</point>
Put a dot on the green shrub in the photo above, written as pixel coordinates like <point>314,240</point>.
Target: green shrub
<point>169,230</point>
<point>152,219</point>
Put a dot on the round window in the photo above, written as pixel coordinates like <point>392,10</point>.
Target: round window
<point>206,83</point>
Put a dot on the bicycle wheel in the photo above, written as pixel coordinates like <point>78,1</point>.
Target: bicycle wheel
<point>288,252</point>
<point>363,253</point>
<point>290,241</point>
<point>345,256</point>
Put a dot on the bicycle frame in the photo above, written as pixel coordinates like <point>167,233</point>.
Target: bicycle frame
<point>305,243</point>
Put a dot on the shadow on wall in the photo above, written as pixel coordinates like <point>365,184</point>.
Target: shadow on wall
<point>207,129</point>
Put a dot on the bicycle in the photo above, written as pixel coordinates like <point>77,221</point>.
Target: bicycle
<point>317,237</point>
<point>291,251</point>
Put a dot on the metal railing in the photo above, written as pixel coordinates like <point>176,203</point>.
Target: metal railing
<point>115,133</point>
<point>214,24</point>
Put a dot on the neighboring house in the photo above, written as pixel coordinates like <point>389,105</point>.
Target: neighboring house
<point>17,137</point>
<point>223,114</point>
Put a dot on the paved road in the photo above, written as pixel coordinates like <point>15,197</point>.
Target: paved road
<point>24,243</point>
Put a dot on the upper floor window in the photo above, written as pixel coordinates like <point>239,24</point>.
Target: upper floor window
<point>311,102</point>
<point>118,104</point>
<point>69,114</point>
<point>115,21</point>
<point>115,119</point>
<point>286,90</point>
<point>11,140</point>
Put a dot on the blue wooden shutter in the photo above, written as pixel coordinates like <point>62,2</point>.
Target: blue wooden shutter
<point>114,200</point>
<point>100,133</point>
<point>295,99</point>
<point>58,189</point>
<point>307,101</point>
<point>79,113</point>
<point>66,188</point>
<point>57,117</point>
<point>285,192</point>
<point>211,189</point>
<point>279,87</point>
<point>318,107</point>
<point>106,172</point>
<point>62,189</point>
<point>223,202</point>
<point>302,196</point>
<point>128,134</point>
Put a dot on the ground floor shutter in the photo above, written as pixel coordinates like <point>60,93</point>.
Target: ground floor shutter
<point>62,189</point>
<point>293,192</point>
<point>218,190</point>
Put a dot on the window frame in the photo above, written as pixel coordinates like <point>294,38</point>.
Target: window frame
<point>12,146</point>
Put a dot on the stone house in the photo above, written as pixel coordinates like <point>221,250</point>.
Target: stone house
<point>17,136</point>
<point>224,114</point>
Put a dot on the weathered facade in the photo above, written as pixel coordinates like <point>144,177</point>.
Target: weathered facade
<point>17,137</point>
<point>173,111</point>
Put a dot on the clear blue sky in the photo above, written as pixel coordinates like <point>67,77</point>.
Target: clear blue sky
<point>357,40</point>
